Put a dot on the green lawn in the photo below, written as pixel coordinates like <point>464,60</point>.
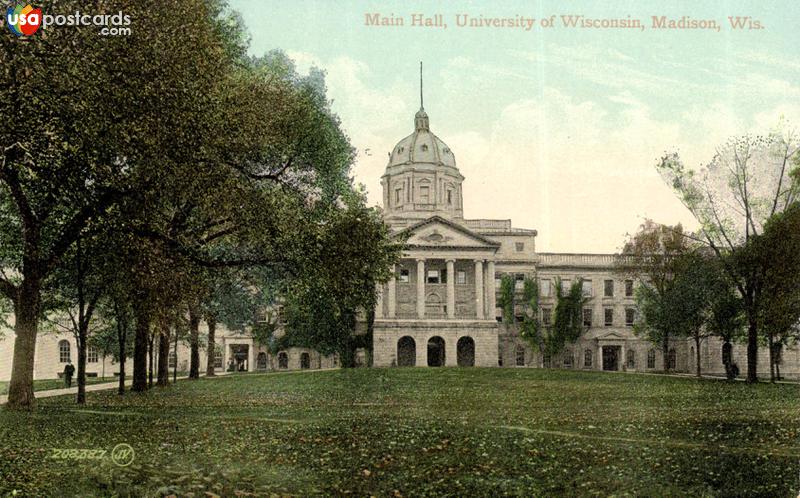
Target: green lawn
<point>412,432</point>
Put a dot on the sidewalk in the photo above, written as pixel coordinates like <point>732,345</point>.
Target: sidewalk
<point>92,387</point>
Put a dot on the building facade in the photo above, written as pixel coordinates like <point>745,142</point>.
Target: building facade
<point>440,309</point>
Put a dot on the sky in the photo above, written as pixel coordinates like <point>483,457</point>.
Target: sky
<point>558,129</point>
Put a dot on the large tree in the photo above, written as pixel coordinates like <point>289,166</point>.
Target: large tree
<point>749,180</point>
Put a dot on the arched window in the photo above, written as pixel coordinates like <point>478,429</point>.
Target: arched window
<point>672,359</point>
<point>305,361</point>
<point>64,351</point>
<point>587,358</point>
<point>283,360</point>
<point>631,360</point>
<point>520,353</point>
<point>406,352</point>
<point>651,358</point>
<point>261,362</point>
<point>465,352</point>
<point>567,359</point>
<point>91,354</point>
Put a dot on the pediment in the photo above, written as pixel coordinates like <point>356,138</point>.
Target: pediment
<point>611,336</point>
<point>439,232</point>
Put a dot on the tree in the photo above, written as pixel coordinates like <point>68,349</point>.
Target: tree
<point>568,316</point>
<point>649,256</point>
<point>749,180</point>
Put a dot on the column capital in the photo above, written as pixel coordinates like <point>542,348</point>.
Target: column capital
<point>450,260</point>
<point>421,259</point>
<point>480,260</point>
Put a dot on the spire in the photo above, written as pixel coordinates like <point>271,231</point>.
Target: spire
<point>421,118</point>
<point>421,106</point>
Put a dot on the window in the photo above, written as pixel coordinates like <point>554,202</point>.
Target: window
<point>424,148</point>
<point>498,280</point>
<point>631,360</point>
<point>424,194</point>
<point>63,351</point>
<point>586,286</point>
<point>91,354</point>
<point>450,197</point>
<point>651,358</point>
<point>587,358</point>
<point>565,285</point>
<point>218,357</point>
<point>546,316</point>
<point>672,358</point>
<point>520,246</point>
<point>500,359</point>
<point>608,288</point>
<point>519,281</point>
<point>546,288</point>
<point>519,318</point>
<point>398,195</point>
<point>629,288</point>
<point>461,277</point>
<point>630,316</point>
<point>520,356</point>
<point>173,359</point>
<point>567,362</point>
<point>404,278</point>
<point>587,317</point>
<point>609,316</point>
<point>433,276</point>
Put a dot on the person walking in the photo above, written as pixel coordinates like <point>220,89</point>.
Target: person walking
<point>69,369</point>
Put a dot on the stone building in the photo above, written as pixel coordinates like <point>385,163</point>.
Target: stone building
<point>440,309</point>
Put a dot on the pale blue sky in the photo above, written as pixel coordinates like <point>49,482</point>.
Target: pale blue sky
<point>557,129</point>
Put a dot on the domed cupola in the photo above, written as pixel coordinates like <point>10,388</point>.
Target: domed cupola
<point>421,178</point>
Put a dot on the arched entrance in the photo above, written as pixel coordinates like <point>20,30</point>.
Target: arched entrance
<point>305,361</point>
<point>283,360</point>
<point>406,352</point>
<point>261,363</point>
<point>436,352</point>
<point>465,352</point>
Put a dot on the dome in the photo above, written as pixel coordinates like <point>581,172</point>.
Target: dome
<point>422,146</point>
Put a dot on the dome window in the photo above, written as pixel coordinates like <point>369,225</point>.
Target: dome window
<point>446,151</point>
<point>400,150</point>
<point>424,148</point>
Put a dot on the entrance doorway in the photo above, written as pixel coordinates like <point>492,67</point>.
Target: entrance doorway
<point>436,352</point>
<point>239,355</point>
<point>465,352</point>
<point>611,356</point>
<point>406,352</point>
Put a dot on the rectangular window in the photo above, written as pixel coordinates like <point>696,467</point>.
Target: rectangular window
<point>424,195</point>
<point>629,288</point>
<point>651,358</point>
<point>404,276</point>
<point>565,285</point>
<point>587,288</point>
<point>630,316</point>
<point>461,277</point>
<point>546,289</point>
<point>398,196</point>
<point>433,276</point>
<point>91,354</point>
<point>173,359</point>
<point>547,316</point>
<point>608,288</point>
<point>450,197</point>
<point>520,246</point>
<point>609,316</point>
<point>587,317</point>
<point>218,358</point>
<point>498,280</point>
<point>519,281</point>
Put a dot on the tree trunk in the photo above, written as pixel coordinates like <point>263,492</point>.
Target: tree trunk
<point>150,345</point>
<point>140,343</point>
<point>163,356</point>
<point>175,349</point>
<point>771,345</point>
<point>665,352</point>
<point>752,349</point>
<point>194,340</point>
<point>26,314</point>
<point>82,333</point>
<point>122,333</point>
<point>697,354</point>
<point>212,347</point>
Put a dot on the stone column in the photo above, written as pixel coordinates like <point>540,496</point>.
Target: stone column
<point>479,288</point>
<point>379,301</point>
<point>451,289</point>
<point>421,288</point>
<point>391,293</point>
<point>492,304</point>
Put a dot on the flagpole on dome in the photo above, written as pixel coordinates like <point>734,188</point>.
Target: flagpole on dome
<point>421,106</point>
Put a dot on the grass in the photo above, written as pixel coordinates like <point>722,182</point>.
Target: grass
<point>413,432</point>
<point>47,384</point>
